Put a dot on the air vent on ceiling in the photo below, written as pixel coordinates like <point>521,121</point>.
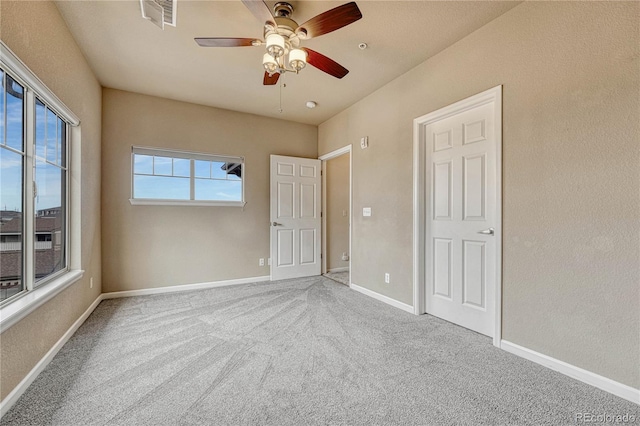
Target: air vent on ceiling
<point>160,12</point>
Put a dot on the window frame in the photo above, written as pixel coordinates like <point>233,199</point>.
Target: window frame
<point>38,291</point>
<point>191,156</point>
<point>24,154</point>
<point>38,282</point>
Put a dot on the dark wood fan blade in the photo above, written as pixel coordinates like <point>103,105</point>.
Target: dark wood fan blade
<point>225,41</point>
<point>325,64</point>
<point>261,11</point>
<point>331,20</point>
<point>270,80</point>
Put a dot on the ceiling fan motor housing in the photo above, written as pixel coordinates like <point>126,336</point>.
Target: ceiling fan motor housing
<point>282,9</point>
<point>285,26</point>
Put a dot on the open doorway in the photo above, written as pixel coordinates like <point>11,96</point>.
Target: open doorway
<point>336,215</point>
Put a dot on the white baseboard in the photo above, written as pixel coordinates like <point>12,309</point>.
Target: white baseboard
<point>344,269</point>
<point>185,287</point>
<point>17,392</point>
<point>593,379</point>
<point>382,298</point>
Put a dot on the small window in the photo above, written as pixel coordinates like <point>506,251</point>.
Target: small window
<point>186,178</point>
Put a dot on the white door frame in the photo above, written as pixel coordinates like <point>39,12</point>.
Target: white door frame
<point>421,181</point>
<point>324,158</point>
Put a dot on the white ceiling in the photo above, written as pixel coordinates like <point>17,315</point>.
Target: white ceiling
<point>129,53</point>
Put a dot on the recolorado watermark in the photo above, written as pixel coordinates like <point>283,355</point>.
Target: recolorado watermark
<point>605,418</point>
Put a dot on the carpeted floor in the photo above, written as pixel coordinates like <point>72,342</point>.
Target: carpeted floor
<point>296,352</point>
<point>341,277</point>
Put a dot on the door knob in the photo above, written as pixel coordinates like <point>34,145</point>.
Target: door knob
<point>488,231</point>
<point>276,224</point>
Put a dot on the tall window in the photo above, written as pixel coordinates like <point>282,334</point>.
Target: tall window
<point>12,159</point>
<point>176,177</point>
<point>50,177</point>
<point>33,193</point>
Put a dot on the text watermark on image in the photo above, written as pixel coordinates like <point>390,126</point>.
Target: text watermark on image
<point>605,418</point>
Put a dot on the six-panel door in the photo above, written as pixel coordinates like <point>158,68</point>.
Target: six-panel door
<point>460,245</point>
<point>295,217</point>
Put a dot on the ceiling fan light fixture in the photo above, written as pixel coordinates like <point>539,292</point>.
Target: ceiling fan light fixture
<point>270,64</point>
<point>275,45</point>
<point>282,38</point>
<point>297,59</point>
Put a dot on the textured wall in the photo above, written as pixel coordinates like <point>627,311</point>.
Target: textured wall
<point>157,246</point>
<point>571,177</point>
<point>337,190</point>
<point>36,33</point>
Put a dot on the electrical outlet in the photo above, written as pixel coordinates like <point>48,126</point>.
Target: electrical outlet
<point>345,256</point>
<point>91,282</point>
<point>364,142</point>
<point>386,278</point>
<point>261,262</point>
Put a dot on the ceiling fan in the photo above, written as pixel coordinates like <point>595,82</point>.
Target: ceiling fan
<point>282,36</point>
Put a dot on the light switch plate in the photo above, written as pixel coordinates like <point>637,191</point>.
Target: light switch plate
<point>366,211</point>
<point>364,142</point>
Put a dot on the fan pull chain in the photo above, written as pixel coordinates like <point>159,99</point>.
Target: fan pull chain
<point>281,86</point>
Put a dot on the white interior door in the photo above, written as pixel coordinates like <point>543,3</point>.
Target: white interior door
<point>460,241</point>
<point>295,217</point>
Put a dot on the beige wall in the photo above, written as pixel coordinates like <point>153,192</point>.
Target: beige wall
<point>571,80</point>
<point>158,246</point>
<point>570,179</point>
<point>337,196</point>
<point>36,33</point>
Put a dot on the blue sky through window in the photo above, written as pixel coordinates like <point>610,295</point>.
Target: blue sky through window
<point>50,145</point>
<point>49,181</point>
<point>168,178</point>
<point>11,127</point>
<point>14,119</point>
<point>11,178</point>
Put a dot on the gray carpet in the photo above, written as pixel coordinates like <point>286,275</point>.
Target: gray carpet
<point>341,277</point>
<point>296,352</point>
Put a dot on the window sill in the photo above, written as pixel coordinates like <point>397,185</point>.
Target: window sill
<point>12,313</point>
<point>138,202</point>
